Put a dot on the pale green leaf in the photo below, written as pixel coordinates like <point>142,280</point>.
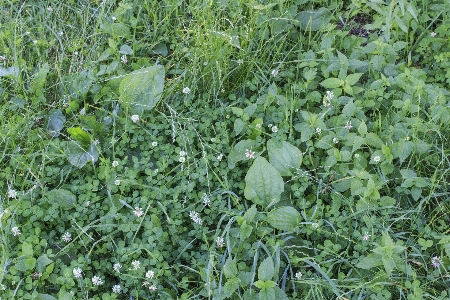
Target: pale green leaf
<point>331,83</point>
<point>352,79</point>
<point>64,198</point>
<point>314,19</point>
<point>230,269</point>
<point>284,218</point>
<point>266,269</point>
<point>238,125</point>
<point>368,262</point>
<point>125,49</point>
<point>284,156</point>
<point>27,249</point>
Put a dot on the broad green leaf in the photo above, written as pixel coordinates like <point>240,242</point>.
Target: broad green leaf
<point>81,136</point>
<point>27,249</point>
<point>125,49</point>
<point>250,214</point>
<point>78,157</point>
<point>13,71</point>
<point>116,29</point>
<point>405,148</point>
<point>352,79</point>
<point>389,264</point>
<point>61,197</point>
<point>349,109</point>
<point>160,49</point>
<point>142,89</point>
<point>245,231</point>
<point>373,140</point>
<point>238,126</point>
<point>24,264</point>
<point>369,262</point>
<point>263,183</point>
<point>238,152</point>
<point>40,78</point>
<point>267,294</point>
<point>55,122</point>
<point>284,156</point>
<point>266,269</point>
<point>230,269</point>
<point>284,218</point>
<point>331,83</point>
<point>45,297</point>
<point>314,19</point>
<point>280,294</point>
<point>43,261</point>
<point>362,128</point>
<point>231,285</point>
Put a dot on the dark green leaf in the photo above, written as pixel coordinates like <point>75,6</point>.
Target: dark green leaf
<point>284,218</point>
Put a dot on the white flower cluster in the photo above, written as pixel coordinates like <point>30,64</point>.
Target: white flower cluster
<point>194,216</point>
<point>328,97</point>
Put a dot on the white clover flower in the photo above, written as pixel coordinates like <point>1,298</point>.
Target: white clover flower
<point>15,230</point>
<point>12,193</point>
<point>298,275</point>
<point>274,73</point>
<point>329,95</point>
<point>75,53</point>
<point>258,125</point>
<point>117,267</point>
<point>315,225</point>
<point>87,203</point>
<point>50,9</point>
<point>205,199</point>
<point>117,182</point>
<point>194,216</point>
<point>213,140</point>
<point>186,90</point>
<point>219,157</point>
<point>60,33</point>
<point>152,288</point>
<point>156,171</point>
<point>366,236</point>
<point>135,118</point>
<point>318,130</point>
<point>433,34</point>
<point>240,61</point>
<point>335,140</point>
<point>35,42</point>
<point>348,125</point>
<point>116,289</point>
<point>27,33</point>
<point>326,103</point>
<point>182,153</point>
<point>115,163</point>
<point>274,129</point>
<point>154,144</point>
<point>77,272</point>
<point>136,264</point>
<point>66,237</point>
<point>220,242</point>
<point>138,212</point>
<point>377,158</point>
<point>249,154</point>
<point>150,274</point>
<point>182,159</point>
<point>436,261</point>
<point>356,155</point>
<point>124,59</point>
<point>113,18</point>
<point>97,280</point>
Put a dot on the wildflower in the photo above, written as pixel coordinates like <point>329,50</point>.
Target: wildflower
<point>154,144</point>
<point>377,158</point>
<point>298,275</point>
<point>115,163</point>
<point>27,33</point>
<point>335,140</point>
<point>50,9</point>
<point>124,59</point>
<point>329,95</point>
<point>113,18</point>
<point>274,73</point>
<point>220,242</point>
<point>60,33</point>
<point>348,125</point>
<point>136,264</point>
<point>116,289</point>
<point>213,140</point>
<point>75,53</point>
<point>219,157</point>
<point>206,200</point>
<point>87,203</point>
<point>152,288</point>
<point>182,153</point>
<point>205,63</point>
<point>366,236</point>
<point>274,129</point>
<point>117,182</point>
<point>12,193</point>
<point>97,280</point>
<point>2,287</point>
<point>318,130</point>
<point>249,153</point>
<point>433,34</point>
<point>116,267</point>
<point>326,103</point>
<point>77,272</point>
<point>135,118</point>
<point>156,171</point>
<point>258,126</point>
<point>35,42</point>
<point>436,261</point>
<point>138,212</point>
<point>66,237</point>
<point>182,159</point>
<point>356,155</point>
<point>15,230</point>
<point>315,225</point>
<point>96,142</point>
<point>194,216</point>
<point>240,61</point>
<point>145,283</point>
<point>150,274</point>
<point>186,90</point>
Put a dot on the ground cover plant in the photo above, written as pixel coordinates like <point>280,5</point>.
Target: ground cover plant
<point>176,149</point>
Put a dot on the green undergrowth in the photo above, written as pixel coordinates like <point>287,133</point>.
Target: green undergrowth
<point>224,149</point>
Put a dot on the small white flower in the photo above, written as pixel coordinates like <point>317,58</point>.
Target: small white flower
<point>194,216</point>
<point>12,193</point>
<point>150,274</point>
<point>87,203</point>
<point>27,33</point>
<point>116,289</point>
<point>377,158</point>
<point>366,236</point>
<point>96,142</point>
<point>138,212</point>
<point>135,118</point>
<point>249,154</point>
<point>318,130</point>
<point>182,153</point>
<point>136,264</point>
<point>270,125</point>
<point>348,125</point>
<point>436,261</point>
<point>205,199</point>
<point>205,63</point>
<point>156,171</point>
<point>35,42</point>
<point>145,283</point>
<point>407,138</point>
<point>329,95</point>
<point>240,61</point>
<point>335,140</point>
<point>182,159</point>
<point>154,144</point>
<point>356,155</point>
<point>75,53</point>
<point>219,157</point>
<point>274,73</point>
<point>115,163</point>
<point>274,129</point>
<point>97,280</point>
<point>315,225</point>
<point>326,103</point>
<point>152,288</point>
<point>298,275</point>
<point>124,59</point>
<point>15,230</point>
<point>258,125</point>
<point>186,90</point>
<point>113,18</point>
<point>50,9</point>
<point>117,267</point>
<point>433,34</point>
<point>66,237</point>
<point>117,182</point>
<point>2,287</point>
<point>77,272</point>
<point>60,33</point>
<point>213,140</point>
<point>220,242</point>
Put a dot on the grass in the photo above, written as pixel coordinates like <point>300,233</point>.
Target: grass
<point>224,150</point>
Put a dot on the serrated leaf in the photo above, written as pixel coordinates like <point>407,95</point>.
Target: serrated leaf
<point>266,269</point>
<point>357,142</point>
<point>331,83</point>
<point>263,183</point>
<point>231,286</point>
<point>325,142</point>
<point>314,19</point>
<point>284,218</point>
<point>42,262</point>
<point>280,294</point>
<point>405,148</point>
<point>230,269</point>
<point>373,140</point>
<point>250,214</point>
<point>362,128</point>
<point>368,262</point>
<point>63,198</point>
<point>245,231</point>
<point>353,78</point>
<point>267,294</point>
<point>349,109</point>
<point>284,156</point>
<point>238,126</point>
<point>142,89</point>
